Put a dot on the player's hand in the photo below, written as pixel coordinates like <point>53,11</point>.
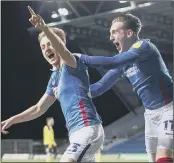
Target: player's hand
<point>6,124</point>
<point>36,20</point>
<point>89,94</point>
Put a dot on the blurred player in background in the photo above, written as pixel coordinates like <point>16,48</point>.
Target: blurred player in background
<point>98,155</point>
<point>49,139</point>
<point>69,83</point>
<point>141,63</point>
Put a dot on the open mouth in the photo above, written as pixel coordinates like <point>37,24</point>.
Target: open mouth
<point>51,55</point>
<point>118,46</point>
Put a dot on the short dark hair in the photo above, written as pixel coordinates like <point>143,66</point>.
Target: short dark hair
<point>130,21</point>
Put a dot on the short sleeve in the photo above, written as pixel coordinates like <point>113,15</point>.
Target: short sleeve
<point>81,66</point>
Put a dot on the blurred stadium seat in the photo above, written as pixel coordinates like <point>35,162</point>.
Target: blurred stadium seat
<point>136,144</point>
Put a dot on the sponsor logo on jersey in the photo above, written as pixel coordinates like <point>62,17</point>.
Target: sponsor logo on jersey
<point>132,71</point>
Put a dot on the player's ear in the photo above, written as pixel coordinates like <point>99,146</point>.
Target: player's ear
<point>129,33</point>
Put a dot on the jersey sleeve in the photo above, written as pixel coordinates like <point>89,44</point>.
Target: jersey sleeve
<point>49,89</point>
<point>138,50</point>
<point>105,83</point>
<point>80,65</point>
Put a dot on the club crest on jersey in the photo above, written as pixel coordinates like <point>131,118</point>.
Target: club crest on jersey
<point>137,44</point>
<point>55,91</point>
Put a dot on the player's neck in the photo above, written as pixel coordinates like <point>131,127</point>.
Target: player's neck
<point>59,65</point>
<point>134,40</point>
<point>50,126</point>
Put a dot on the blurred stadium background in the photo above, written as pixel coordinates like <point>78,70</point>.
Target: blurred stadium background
<point>87,24</point>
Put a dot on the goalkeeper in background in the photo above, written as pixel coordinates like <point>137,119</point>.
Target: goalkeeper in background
<point>48,139</point>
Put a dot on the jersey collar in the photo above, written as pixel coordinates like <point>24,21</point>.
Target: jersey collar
<point>54,68</point>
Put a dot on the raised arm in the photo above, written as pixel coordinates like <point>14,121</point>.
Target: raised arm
<point>120,59</point>
<point>60,47</point>
<point>104,84</point>
<point>56,42</point>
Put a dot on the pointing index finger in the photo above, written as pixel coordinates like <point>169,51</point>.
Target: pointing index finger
<point>31,10</point>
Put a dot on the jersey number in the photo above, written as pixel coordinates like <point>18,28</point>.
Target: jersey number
<point>73,147</point>
<point>168,125</point>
